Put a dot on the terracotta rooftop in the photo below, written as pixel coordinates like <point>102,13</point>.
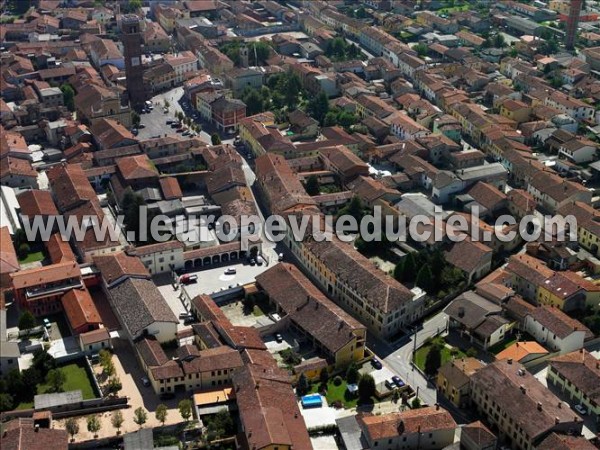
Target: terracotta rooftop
<point>135,167</point>
<point>519,395</point>
<point>520,350</point>
<point>35,202</point>
<point>80,309</point>
<point>120,264</point>
<point>301,301</point>
<point>59,250</point>
<point>45,275</point>
<point>8,256</point>
<point>422,420</point>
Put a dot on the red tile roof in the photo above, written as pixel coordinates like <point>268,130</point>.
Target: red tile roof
<point>139,166</point>
<point>37,203</point>
<point>80,309</point>
<point>423,420</point>
<point>170,188</point>
<point>45,274</point>
<point>8,257</point>
<point>59,250</point>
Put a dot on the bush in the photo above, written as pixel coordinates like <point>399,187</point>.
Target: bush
<point>23,251</point>
<point>472,352</point>
<point>26,321</point>
<point>337,381</point>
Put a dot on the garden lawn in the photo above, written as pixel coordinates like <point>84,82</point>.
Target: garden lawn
<point>453,9</point>
<point>338,393</point>
<point>421,354</point>
<point>76,379</point>
<point>32,257</point>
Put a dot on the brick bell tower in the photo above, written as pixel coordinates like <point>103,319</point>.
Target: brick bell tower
<point>131,38</point>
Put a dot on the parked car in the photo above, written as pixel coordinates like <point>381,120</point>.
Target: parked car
<point>145,381</point>
<point>189,320</point>
<point>167,396</point>
<point>259,261</point>
<point>184,315</point>
<point>280,258</point>
<point>169,121</point>
<point>252,262</point>
<point>135,132</point>
<point>376,363</point>
<point>389,384</point>
<point>47,324</point>
<point>141,125</point>
<point>188,278</point>
<point>230,271</point>
<point>279,338</point>
<point>580,409</point>
<point>397,381</point>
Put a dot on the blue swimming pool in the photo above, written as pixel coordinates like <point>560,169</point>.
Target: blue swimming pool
<point>312,401</point>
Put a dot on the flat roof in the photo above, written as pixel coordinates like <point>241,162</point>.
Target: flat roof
<point>213,397</point>
<point>46,401</point>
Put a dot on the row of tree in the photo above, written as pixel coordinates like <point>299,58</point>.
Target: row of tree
<point>140,417</point>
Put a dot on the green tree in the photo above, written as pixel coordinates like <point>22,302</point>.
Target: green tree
<point>312,185</point>
<point>68,96</point>
<point>43,361</point>
<point>23,250</point>
<point>215,139</point>
<point>318,107</point>
<point>56,379</point>
<point>117,420</point>
<point>161,413</point>
<point>499,41</point>
<point>421,49</point>
<point>425,279</point>
<point>433,361</point>
<point>355,209</point>
<point>72,427</point>
<point>94,425</point>
<point>185,409</point>
<point>324,376</point>
<point>259,52</point>
<point>366,388</point>
<point>114,385</point>
<point>416,403</point>
<point>6,402</point>
<point>132,6</point>
<point>26,321</point>
<point>140,416</point>
<point>302,386</point>
<point>409,268</point>
<point>135,119</point>
<point>104,357</point>
<point>253,100</point>
<point>291,89</point>
<point>219,426</point>
<point>352,374</point>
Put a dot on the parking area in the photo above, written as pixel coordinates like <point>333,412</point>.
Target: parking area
<point>155,121</point>
<point>214,279</point>
<point>172,295</point>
